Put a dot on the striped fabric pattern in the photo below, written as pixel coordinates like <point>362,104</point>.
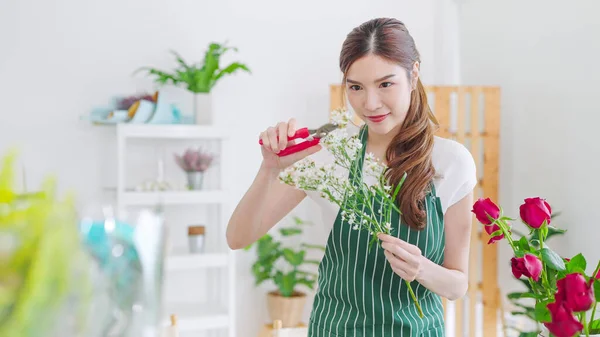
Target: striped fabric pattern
<point>358,293</point>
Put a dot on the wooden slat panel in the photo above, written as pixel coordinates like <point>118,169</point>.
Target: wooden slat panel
<point>336,97</point>
<point>490,189</point>
<point>461,119</point>
<point>442,109</point>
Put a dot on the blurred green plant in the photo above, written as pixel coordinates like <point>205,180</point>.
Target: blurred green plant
<point>39,250</point>
<point>287,274</point>
<point>200,77</point>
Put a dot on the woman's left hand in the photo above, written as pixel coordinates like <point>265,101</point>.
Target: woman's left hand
<point>405,259</point>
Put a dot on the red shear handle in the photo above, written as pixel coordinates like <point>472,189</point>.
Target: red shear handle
<point>299,147</point>
<point>300,133</point>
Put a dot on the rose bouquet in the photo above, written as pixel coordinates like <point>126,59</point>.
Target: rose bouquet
<point>564,294</point>
<point>352,198</point>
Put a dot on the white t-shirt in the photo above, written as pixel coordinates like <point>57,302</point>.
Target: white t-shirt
<point>455,174</point>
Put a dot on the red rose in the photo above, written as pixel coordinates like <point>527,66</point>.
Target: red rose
<point>563,324</point>
<point>491,229</point>
<point>529,266</point>
<point>598,275</point>
<point>575,293</point>
<point>534,211</point>
<point>484,207</point>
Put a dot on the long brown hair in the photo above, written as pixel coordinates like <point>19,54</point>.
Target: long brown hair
<point>410,150</point>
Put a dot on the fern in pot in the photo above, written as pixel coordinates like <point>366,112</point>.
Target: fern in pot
<point>288,268</point>
<point>199,78</point>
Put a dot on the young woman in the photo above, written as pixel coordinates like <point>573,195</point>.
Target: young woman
<point>361,292</point>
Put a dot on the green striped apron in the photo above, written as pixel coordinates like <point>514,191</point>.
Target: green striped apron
<point>359,295</point>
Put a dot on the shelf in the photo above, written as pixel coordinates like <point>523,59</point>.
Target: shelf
<point>175,198</point>
<point>174,131</point>
<point>195,261</point>
<point>197,317</point>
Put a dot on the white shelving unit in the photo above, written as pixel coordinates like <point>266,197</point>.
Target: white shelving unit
<point>215,314</point>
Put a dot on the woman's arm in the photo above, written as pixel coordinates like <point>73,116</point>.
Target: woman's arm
<point>265,203</point>
<point>450,280</point>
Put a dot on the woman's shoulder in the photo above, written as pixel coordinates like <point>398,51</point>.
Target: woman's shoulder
<point>455,168</point>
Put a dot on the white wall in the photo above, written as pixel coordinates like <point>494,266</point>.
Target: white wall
<point>544,55</point>
<point>60,59</point>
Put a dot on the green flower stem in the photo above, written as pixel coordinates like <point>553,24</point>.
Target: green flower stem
<point>586,328</point>
<point>504,228</point>
<point>544,269</point>
<point>595,302</point>
<point>412,294</point>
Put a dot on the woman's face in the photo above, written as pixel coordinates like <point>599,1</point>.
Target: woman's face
<point>379,92</point>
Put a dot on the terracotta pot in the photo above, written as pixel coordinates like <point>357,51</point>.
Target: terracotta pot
<point>287,309</point>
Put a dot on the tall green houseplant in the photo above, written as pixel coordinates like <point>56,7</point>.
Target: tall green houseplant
<point>198,78</point>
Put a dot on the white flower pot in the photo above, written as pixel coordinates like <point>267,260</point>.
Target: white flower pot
<point>202,107</point>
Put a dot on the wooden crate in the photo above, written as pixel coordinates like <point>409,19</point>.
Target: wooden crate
<point>471,116</point>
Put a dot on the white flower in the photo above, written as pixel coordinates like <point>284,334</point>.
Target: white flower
<point>341,116</point>
<point>333,184</point>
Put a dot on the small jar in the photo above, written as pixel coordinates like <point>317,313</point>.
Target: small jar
<point>196,239</point>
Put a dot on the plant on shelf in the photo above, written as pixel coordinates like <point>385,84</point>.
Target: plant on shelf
<point>194,163</point>
<point>286,267</point>
<point>199,78</point>
<point>564,294</point>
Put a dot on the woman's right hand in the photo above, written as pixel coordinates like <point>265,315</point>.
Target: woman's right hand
<point>273,144</point>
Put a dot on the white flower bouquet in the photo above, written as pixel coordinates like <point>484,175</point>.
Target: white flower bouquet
<point>334,185</point>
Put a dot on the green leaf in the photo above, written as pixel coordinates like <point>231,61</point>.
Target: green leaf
<point>529,334</point>
<point>526,284</point>
<point>230,69</point>
<point>552,231</point>
<point>295,259</point>
<point>299,221</point>
<point>496,233</point>
<point>290,231</point>
<point>309,283</point>
<point>542,314</point>
<point>399,186</point>
<point>180,60</point>
<point>597,289</point>
<point>543,230</point>
<point>523,244</point>
<point>319,247</point>
<point>578,261</point>
<point>552,259</point>
<point>286,283</point>
<point>595,326</point>
<point>517,295</point>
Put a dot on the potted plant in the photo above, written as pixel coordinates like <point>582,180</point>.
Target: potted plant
<point>194,163</point>
<point>199,78</point>
<point>285,266</point>
<point>565,295</point>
